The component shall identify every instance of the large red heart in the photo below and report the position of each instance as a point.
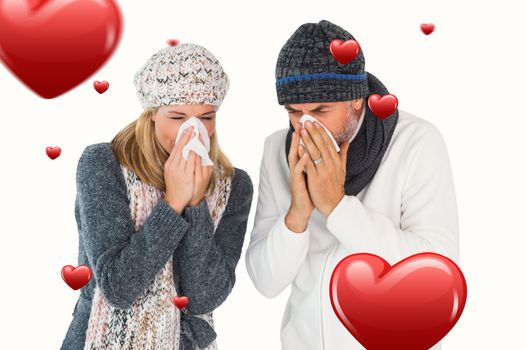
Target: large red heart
(52, 46)
(76, 277)
(180, 302)
(344, 52)
(409, 306)
(382, 106)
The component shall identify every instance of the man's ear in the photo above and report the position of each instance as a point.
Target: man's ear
(357, 104)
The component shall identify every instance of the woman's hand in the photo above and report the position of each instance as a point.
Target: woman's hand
(201, 181)
(178, 174)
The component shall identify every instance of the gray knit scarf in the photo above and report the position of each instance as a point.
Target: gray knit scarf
(369, 145)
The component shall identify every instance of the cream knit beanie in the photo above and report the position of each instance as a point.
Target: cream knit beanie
(181, 74)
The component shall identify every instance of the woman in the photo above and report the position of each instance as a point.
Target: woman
(155, 226)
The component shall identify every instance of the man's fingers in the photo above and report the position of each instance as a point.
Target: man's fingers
(316, 132)
(308, 164)
(300, 151)
(312, 149)
(292, 154)
(327, 141)
(300, 165)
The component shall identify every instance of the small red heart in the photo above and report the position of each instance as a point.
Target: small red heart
(76, 277)
(53, 152)
(382, 106)
(344, 52)
(172, 42)
(101, 86)
(54, 45)
(411, 305)
(180, 302)
(427, 28)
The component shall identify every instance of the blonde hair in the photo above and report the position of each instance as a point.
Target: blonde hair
(137, 148)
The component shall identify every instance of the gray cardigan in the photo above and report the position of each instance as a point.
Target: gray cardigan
(124, 263)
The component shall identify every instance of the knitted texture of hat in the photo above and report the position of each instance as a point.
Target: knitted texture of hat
(182, 74)
(306, 70)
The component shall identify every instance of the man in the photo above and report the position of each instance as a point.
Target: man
(388, 192)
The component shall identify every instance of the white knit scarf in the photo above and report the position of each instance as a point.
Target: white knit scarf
(153, 322)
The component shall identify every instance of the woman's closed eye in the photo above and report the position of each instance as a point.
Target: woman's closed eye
(207, 116)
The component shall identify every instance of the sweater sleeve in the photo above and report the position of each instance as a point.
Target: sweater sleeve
(123, 261)
(207, 260)
(429, 218)
(275, 253)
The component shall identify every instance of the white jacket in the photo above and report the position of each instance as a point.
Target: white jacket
(409, 207)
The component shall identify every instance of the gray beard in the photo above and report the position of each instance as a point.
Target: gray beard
(349, 129)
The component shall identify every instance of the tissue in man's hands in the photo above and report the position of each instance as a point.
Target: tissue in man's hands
(306, 117)
(201, 148)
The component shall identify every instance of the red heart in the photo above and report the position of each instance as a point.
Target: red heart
(344, 52)
(52, 46)
(427, 28)
(172, 42)
(409, 306)
(382, 106)
(180, 302)
(53, 152)
(76, 277)
(101, 86)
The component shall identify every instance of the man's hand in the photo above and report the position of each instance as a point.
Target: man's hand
(301, 206)
(326, 177)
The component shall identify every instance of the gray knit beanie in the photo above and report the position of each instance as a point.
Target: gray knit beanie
(306, 71)
(181, 74)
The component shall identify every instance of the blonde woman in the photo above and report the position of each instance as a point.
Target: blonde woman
(155, 224)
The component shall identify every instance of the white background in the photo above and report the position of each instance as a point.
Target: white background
(467, 78)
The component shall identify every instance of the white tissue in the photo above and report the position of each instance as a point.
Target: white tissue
(201, 148)
(306, 117)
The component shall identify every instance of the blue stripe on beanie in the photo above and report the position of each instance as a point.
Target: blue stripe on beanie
(321, 76)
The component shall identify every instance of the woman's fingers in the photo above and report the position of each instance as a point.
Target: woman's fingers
(181, 142)
(198, 171)
(190, 164)
(172, 158)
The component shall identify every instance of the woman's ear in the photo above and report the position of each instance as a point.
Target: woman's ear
(153, 114)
